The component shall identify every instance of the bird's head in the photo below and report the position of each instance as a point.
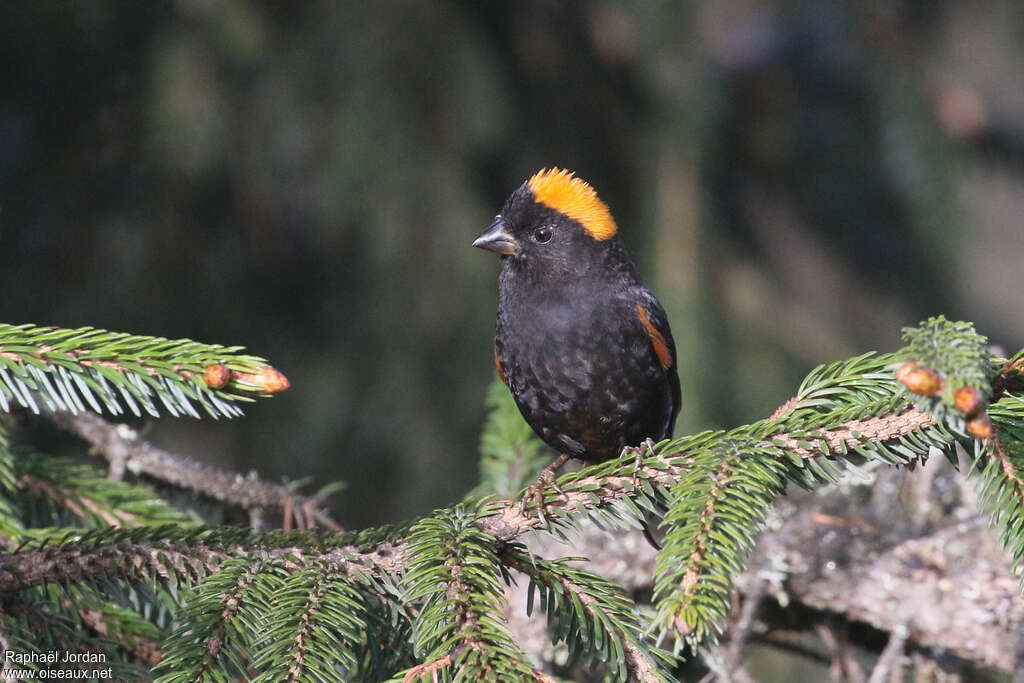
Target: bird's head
(553, 221)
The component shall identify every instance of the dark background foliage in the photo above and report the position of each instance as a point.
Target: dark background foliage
(797, 180)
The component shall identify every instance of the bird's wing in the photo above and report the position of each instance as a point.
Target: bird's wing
(497, 365)
(652, 318)
(655, 323)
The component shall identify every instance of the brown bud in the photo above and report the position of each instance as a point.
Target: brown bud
(980, 426)
(268, 378)
(216, 376)
(905, 369)
(920, 380)
(684, 627)
(968, 400)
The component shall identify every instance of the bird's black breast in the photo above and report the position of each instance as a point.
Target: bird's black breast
(582, 367)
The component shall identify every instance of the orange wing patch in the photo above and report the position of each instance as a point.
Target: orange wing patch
(562, 191)
(657, 340)
(501, 372)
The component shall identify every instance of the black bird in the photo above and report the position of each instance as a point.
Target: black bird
(581, 342)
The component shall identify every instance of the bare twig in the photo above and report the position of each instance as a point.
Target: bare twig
(431, 668)
(125, 450)
(927, 669)
(890, 665)
(740, 632)
(1018, 655)
(844, 665)
(255, 519)
(795, 648)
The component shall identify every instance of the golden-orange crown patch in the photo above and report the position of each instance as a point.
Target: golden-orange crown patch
(562, 191)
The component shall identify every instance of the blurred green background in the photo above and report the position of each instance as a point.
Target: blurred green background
(797, 180)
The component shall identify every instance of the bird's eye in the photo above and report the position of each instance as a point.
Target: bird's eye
(542, 235)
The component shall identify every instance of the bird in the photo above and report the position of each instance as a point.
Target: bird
(582, 343)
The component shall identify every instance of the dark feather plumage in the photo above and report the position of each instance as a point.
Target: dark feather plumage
(582, 343)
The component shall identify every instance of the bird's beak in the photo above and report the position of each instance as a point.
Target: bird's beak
(497, 239)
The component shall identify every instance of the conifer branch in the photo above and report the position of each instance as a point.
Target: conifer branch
(300, 642)
(880, 429)
(1000, 482)
(1008, 469)
(589, 603)
(600, 486)
(1010, 378)
(314, 621)
(35, 625)
(212, 631)
(716, 509)
(85, 493)
(596, 487)
(122, 446)
(88, 369)
(448, 567)
(11, 527)
(181, 553)
(700, 542)
(455, 572)
(82, 507)
(105, 620)
(77, 561)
